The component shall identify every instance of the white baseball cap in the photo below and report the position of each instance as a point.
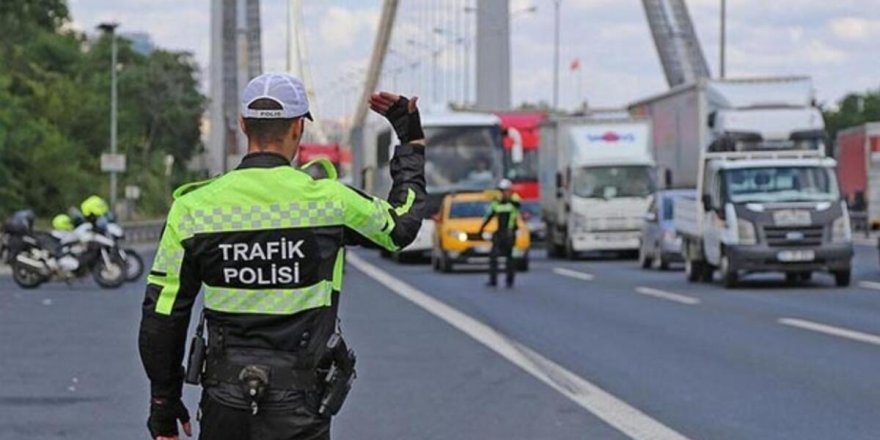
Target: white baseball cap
(287, 91)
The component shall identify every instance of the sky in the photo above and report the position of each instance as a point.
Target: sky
(836, 42)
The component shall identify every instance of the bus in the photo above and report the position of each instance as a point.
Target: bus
(464, 153)
(521, 132)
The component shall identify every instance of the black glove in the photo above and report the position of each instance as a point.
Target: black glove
(164, 415)
(407, 125)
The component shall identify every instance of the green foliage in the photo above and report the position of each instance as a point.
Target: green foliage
(55, 113)
(853, 109)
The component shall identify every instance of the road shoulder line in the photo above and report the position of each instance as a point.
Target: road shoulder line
(669, 296)
(578, 275)
(831, 330)
(613, 411)
(873, 285)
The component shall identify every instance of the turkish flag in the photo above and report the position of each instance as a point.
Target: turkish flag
(575, 64)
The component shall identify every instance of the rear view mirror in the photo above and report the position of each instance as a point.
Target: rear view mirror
(707, 202)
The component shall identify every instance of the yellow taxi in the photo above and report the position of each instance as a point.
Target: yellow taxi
(457, 238)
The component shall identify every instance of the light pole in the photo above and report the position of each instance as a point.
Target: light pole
(435, 54)
(110, 29)
(721, 68)
(556, 5)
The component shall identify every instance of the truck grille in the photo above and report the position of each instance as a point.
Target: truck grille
(794, 236)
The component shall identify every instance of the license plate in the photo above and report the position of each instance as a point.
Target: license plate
(482, 249)
(791, 217)
(795, 256)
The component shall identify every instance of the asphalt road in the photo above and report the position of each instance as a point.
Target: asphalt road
(588, 349)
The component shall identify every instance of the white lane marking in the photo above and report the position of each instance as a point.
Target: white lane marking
(669, 296)
(617, 413)
(573, 274)
(870, 285)
(831, 330)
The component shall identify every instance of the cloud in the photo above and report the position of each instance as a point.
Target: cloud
(822, 38)
(855, 28)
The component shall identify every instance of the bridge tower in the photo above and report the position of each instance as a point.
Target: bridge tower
(236, 57)
(677, 44)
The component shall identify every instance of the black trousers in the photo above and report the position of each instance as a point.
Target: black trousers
(222, 422)
(502, 246)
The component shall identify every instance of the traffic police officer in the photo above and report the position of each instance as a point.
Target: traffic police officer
(267, 242)
(506, 210)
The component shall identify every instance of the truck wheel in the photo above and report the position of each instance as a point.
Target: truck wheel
(693, 270)
(842, 278)
(729, 275)
(553, 250)
(645, 261)
(570, 253)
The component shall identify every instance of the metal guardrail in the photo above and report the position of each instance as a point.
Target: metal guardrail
(147, 231)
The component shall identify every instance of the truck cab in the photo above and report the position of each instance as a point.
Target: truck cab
(765, 209)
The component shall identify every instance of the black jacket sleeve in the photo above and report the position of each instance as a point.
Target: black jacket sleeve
(391, 223)
(172, 286)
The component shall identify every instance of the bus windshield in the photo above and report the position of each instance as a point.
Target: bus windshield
(461, 158)
(523, 171)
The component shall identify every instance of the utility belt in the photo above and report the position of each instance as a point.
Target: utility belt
(258, 371)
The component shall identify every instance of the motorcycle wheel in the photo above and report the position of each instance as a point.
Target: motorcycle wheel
(134, 265)
(25, 276)
(109, 276)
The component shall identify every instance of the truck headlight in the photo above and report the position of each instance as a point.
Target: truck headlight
(457, 235)
(745, 231)
(840, 230)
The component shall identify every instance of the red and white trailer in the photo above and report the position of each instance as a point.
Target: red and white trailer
(858, 169)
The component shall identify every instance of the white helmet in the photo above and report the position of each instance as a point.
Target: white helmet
(505, 184)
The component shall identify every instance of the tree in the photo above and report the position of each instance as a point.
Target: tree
(54, 112)
(854, 109)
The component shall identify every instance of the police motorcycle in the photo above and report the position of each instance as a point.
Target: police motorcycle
(134, 263)
(96, 211)
(62, 254)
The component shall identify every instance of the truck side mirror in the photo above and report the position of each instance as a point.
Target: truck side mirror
(710, 120)
(667, 178)
(707, 202)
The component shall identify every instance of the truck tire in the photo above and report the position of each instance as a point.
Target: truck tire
(645, 260)
(570, 253)
(553, 250)
(842, 278)
(729, 274)
(692, 269)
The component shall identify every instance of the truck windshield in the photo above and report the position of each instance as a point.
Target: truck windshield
(461, 158)
(781, 184)
(610, 182)
(468, 209)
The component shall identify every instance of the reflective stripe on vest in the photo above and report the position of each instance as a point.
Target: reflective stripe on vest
(269, 301)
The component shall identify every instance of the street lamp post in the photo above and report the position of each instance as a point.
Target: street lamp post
(435, 54)
(556, 5)
(723, 39)
(110, 30)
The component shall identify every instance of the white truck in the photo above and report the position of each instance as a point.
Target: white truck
(767, 196)
(597, 179)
